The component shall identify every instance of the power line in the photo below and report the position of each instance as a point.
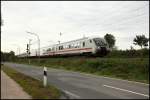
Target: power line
(125, 21)
(118, 13)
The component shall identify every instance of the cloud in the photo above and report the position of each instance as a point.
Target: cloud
(123, 19)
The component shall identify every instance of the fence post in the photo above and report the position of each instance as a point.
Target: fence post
(45, 77)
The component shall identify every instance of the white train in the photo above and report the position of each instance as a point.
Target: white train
(85, 46)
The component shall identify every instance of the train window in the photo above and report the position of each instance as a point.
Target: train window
(99, 42)
(69, 46)
(60, 47)
(83, 44)
(90, 41)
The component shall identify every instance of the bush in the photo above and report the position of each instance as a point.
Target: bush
(126, 68)
(129, 53)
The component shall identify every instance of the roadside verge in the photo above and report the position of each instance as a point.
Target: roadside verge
(32, 86)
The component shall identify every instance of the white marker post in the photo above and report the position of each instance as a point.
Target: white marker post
(45, 77)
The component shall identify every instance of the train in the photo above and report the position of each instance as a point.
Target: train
(94, 46)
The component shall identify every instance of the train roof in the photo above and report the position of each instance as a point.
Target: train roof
(74, 40)
(69, 41)
(84, 38)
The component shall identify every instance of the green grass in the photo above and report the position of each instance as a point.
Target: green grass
(32, 86)
(135, 69)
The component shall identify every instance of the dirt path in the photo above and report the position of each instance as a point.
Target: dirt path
(10, 89)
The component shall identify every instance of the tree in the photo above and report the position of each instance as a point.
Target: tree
(8, 56)
(131, 48)
(110, 40)
(12, 53)
(132, 51)
(141, 40)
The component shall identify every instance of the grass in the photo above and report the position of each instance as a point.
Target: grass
(32, 86)
(135, 69)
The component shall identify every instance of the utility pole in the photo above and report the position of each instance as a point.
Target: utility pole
(60, 36)
(38, 42)
(29, 49)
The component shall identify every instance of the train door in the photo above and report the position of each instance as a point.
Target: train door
(83, 44)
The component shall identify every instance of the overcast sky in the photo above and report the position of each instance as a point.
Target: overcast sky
(74, 19)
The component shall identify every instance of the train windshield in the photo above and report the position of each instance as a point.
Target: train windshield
(99, 42)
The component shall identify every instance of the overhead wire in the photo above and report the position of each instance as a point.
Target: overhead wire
(127, 19)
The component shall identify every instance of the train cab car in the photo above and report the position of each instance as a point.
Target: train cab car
(85, 46)
(102, 47)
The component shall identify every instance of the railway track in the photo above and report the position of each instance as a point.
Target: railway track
(65, 56)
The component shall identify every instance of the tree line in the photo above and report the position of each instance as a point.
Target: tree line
(139, 40)
(8, 56)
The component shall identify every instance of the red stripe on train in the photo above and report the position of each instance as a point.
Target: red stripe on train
(71, 50)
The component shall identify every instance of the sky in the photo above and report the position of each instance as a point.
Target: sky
(74, 19)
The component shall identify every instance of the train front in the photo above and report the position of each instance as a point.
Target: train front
(102, 47)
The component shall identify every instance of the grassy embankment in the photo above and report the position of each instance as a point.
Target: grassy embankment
(32, 86)
(134, 69)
